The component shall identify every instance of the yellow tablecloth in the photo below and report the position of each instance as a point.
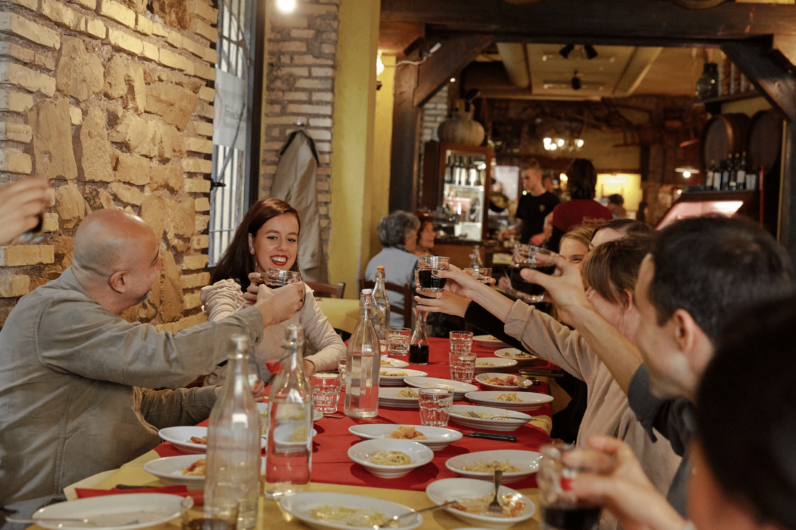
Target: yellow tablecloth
(341, 313)
(271, 515)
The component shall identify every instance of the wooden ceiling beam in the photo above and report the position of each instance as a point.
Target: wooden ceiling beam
(447, 62)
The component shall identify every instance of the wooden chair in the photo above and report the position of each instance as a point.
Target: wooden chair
(323, 290)
(405, 289)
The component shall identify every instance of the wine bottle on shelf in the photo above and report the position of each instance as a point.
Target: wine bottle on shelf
(725, 174)
(709, 175)
(448, 170)
(473, 174)
(740, 176)
(733, 172)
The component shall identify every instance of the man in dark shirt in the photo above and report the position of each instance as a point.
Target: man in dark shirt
(535, 204)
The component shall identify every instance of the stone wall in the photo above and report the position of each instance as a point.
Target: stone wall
(434, 113)
(302, 65)
(112, 102)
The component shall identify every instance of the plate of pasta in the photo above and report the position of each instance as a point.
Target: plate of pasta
(341, 511)
(458, 388)
(488, 418)
(393, 363)
(395, 376)
(521, 357)
(387, 458)
(493, 364)
(516, 465)
(488, 341)
(188, 470)
(508, 399)
(189, 440)
(435, 438)
(402, 398)
(474, 496)
(496, 381)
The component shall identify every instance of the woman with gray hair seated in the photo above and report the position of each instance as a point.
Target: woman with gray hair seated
(398, 236)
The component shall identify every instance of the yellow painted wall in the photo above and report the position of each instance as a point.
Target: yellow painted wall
(380, 200)
(628, 186)
(352, 147)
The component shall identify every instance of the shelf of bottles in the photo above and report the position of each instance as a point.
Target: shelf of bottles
(463, 190)
(731, 174)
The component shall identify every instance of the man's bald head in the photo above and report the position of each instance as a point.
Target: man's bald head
(108, 240)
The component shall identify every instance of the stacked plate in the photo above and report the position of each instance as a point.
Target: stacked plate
(395, 376)
(458, 388)
(437, 438)
(524, 464)
(460, 416)
(493, 364)
(181, 438)
(496, 381)
(388, 398)
(312, 508)
(522, 401)
(169, 470)
(522, 358)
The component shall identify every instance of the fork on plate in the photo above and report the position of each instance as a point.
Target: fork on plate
(494, 507)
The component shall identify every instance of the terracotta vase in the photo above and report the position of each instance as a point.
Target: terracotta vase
(461, 129)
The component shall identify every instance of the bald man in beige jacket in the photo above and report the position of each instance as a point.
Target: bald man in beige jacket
(74, 375)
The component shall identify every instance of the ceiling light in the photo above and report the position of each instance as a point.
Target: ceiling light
(686, 174)
(286, 6)
(566, 50)
(560, 142)
(563, 177)
(453, 79)
(579, 142)
(548, 141)
(576, 83)
(591, 53)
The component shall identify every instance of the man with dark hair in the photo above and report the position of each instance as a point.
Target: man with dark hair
(616, 229)
(700, 272)
(616, 204)
(534, 205)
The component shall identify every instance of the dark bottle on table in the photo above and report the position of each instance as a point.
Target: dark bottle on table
(418, 346)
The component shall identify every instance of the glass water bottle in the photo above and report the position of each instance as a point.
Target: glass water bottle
(233, 441)
(288, 457)
(363, 364)
(381, 305)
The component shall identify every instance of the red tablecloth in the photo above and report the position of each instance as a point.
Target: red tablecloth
(330, 462)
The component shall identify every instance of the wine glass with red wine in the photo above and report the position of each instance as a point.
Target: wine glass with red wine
(425, 276)
(561, 510)
(530, 257)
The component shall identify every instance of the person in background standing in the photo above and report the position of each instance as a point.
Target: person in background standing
(547, 184)
(581, 209)
(616, 203)
(425, 237)
(534, 205)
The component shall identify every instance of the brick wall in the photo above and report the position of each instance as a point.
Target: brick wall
(302, 50)
(434, 113)
(110, 101)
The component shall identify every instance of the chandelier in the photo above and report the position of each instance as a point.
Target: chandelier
(562, 144)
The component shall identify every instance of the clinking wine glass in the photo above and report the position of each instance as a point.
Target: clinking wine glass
(275, 278)
(426, 275)
(530, 257)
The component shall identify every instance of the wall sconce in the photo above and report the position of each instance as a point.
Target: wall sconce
(286, 6)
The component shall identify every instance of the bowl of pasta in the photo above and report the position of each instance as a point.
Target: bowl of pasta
(488, 418)
(435, 438)
(395, 376)
(474, 496)
(520, 357)
(507, 399)
(387, 458)
(493, 364)
(189, 440)
(495, 381)
(516, 465)
(401, 398)
(188, 470)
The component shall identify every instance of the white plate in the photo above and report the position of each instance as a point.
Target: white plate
(114, 511)
(480, 424)
(512, 353)
(438, 437)
(263, 407)
(363, 451)
(395, 363)
(441, 491)
(169, 471)
(387, 399)
(285, 430)
(300, 505)
(530, 400)
(488, 341)
(459, 388)
(398, 378)
(497, 364)
(179, 436)
(482, 378)
(527, 461)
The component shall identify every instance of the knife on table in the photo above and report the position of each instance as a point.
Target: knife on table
(490, 436)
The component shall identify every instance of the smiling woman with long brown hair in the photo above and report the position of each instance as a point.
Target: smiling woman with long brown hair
(267, 238)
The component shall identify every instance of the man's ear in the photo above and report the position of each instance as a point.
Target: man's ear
(119, 282)
(685, 330)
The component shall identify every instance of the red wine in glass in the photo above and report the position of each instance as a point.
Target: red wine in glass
(418, 354)
(522, 285)
(428, 281)
(566, 516)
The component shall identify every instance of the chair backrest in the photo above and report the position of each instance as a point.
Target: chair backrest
(323, 290)
(404, 289)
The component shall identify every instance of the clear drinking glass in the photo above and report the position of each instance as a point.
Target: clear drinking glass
(427, 283)
(530, 257)
(560, 509)
(435, 406)
(275, 278)
(462, 366)
(461, 341)
(341, 370)
(398, 341)
(325, 391)
(482, 274)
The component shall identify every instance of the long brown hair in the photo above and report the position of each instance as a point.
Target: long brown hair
(581, 179)
(612, 268)
(237, 262)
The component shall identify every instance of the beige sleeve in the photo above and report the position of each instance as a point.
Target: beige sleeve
(317, 331)
(222, 299)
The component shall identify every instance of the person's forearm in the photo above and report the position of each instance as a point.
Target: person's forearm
(493, 301)
(619, 355)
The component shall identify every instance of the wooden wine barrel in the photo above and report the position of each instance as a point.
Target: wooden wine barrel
(764, 141)
(723, 136)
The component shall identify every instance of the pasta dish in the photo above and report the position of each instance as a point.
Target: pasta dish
(484, 363)
(490, 467)
(393, 374)
(512, 505)
(407, 433)
(299, 435)
(385, 362)
(197, 469)
(521, 355)
(407, 393)
(511, 396)
(501, 381)
(444, 387)
(198, 440)
(348, 516)
(391, 458)
(485, 416)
